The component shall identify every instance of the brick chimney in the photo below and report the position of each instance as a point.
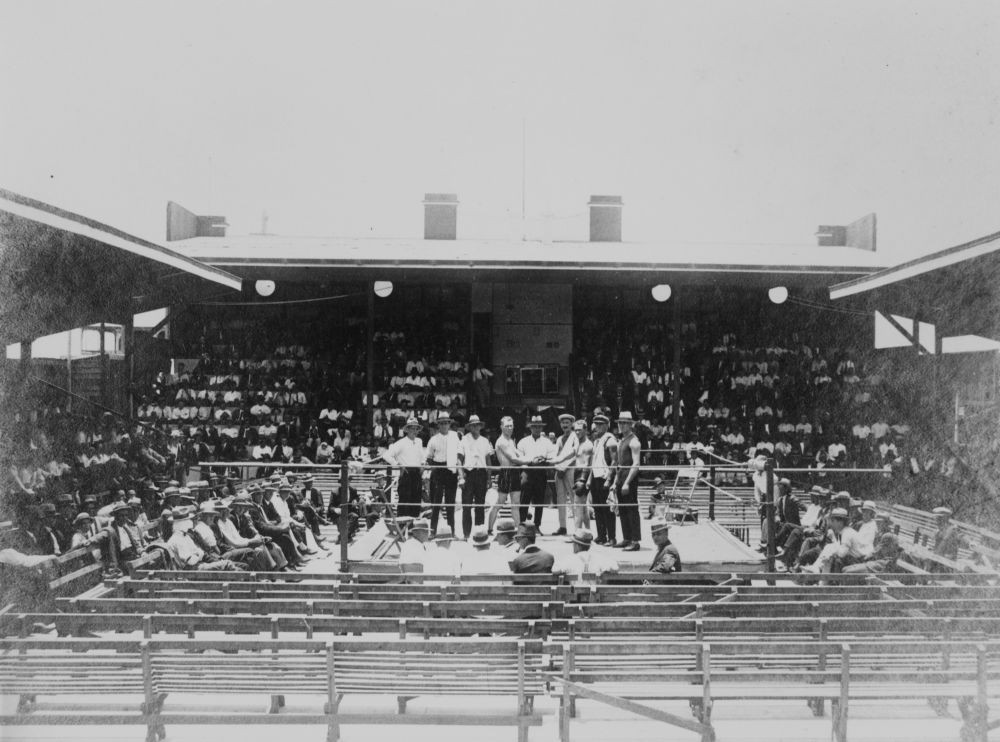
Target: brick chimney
(440, 216)
(605, 218)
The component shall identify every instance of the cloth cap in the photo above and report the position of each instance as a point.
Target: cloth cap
(660, 526)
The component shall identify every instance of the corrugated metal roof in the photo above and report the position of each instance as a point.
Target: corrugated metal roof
(273, 250)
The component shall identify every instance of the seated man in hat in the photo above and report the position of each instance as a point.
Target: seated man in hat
(948, 539)
(127, 542)
(531, 559)
(584, 559)
(223, 539)
(667, 558)
(240, 508)
(867, 527)
(314, 497)
(844, 547)
(483, 559)
(413, 550)
(271, 527)
(186, 551)
(441, 558)
(504, 542)
(658, 500)
(885, 551)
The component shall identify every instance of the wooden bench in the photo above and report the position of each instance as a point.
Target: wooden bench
(271, 605)
(620, 673)
(148, 671)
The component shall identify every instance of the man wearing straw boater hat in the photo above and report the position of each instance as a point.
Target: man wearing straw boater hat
(564, 464)
(605, 453)
(441, 559)
(408, 455)
(474, 476)
(484, 560)
(626, 482)
(444, 454)
(538, 450)
(584, 560)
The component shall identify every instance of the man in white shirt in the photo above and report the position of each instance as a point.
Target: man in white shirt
(444, 454)
(845, 548)
(408, 455)
(537, 450)
(564, 463)
(584, 560)
(868, 528)
(509, 479)
(441, 558)
(483, 559)
(413, 550)
(475, 477)
(605, 454)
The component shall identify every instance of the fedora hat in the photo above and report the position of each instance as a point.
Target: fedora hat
(506, 525)
(536, 421)
(479, 536)
(412, 423)
(444, 417)
(869, 505)
(839, 513)
(625, 417)
(473, 420)
(421, 524)
(583, 537)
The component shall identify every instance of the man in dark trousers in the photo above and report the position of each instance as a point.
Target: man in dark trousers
(948, 539)
(604, 456)
(273, 529)
(241, 506)
(667, 558)
(786, 510)
(531, 559)
(626, 482)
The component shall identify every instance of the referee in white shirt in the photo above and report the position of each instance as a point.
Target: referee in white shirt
(475, 478)
(538, 451)
(445, 454)
(408, 454)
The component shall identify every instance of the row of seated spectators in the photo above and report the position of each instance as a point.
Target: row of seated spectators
(802, 401)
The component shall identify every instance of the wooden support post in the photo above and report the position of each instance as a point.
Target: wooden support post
(522, 701)
(711, 493)
(343, 525)
(332, 701)
(708, 734)
(567, 696)
(769, 516)
(981, 714)
(150, 708)
(840, 718)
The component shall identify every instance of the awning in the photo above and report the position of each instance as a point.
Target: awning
(60, 270)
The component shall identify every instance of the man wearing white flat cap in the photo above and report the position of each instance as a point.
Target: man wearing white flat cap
(563, 462)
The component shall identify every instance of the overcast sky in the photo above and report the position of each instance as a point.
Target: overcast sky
(716, 121)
